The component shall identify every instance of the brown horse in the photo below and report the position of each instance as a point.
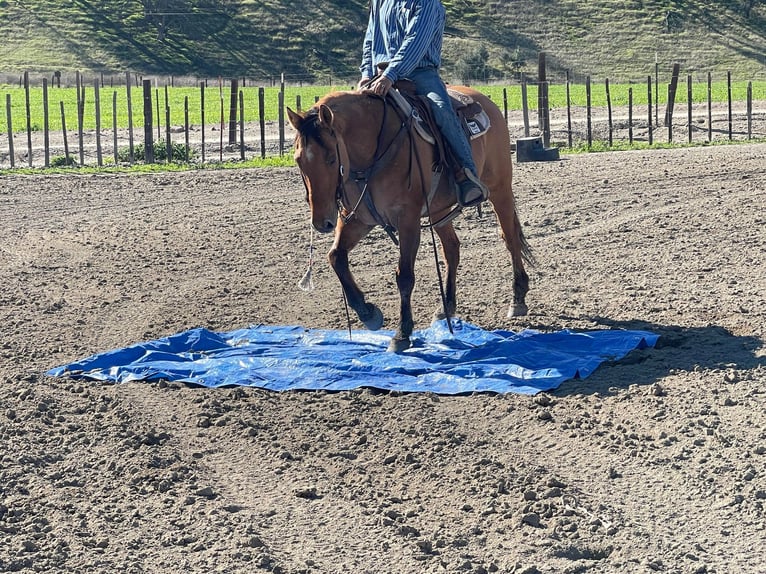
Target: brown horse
(362, 167)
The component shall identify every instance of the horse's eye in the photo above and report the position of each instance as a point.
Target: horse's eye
(331, 159)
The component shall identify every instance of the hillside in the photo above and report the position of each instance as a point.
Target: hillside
(319, 40)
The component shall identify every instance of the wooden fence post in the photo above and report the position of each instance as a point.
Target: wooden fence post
(649, 100)
(569, 114)
(186, 128)
(168, 142)
(672, 93)
(63, 131)
(233, 112)
(709, 107)
(728, 95)
(99, 157)
(29, 118)
(131, 149)
(689, 104)
(630, 116)
(148, 130)
(115, 150)
(46, 125)
(669, 115)
(588, 112)
(10, 129)
(750, 110)
(242, 125)
(262, 120)
(609, 111)
(525, 105)
(80, 116)
(202, 115)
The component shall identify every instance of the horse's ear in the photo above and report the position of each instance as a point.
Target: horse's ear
(325, 116)
(295, 119)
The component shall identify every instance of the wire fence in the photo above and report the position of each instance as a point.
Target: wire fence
(100, 121)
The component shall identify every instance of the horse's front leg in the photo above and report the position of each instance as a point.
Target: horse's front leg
(451, 252)
(347, 236)
(409, 241)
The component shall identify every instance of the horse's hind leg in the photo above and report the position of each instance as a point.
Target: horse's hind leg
(451, 252)
(346, 238)
(513, 236)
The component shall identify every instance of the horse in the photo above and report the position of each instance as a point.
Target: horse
(363, 165)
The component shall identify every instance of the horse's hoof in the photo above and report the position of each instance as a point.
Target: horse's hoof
(517, 310)
(399, 345)
(440, 315)
(375, 320)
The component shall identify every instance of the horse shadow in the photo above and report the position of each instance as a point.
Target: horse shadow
(684, 349)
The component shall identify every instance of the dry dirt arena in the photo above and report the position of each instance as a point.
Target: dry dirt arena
(656, 463)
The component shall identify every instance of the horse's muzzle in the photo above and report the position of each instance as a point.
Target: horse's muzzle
(325, 226)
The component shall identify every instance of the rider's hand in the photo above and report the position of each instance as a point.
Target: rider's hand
(362, 83)
(379, 86)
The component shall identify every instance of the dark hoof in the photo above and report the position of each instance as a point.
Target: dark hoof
(399, 345)
(374, 320)
(517, 310)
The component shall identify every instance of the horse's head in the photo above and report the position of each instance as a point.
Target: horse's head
(317, 150)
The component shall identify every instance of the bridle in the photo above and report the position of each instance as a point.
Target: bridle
(361, 177)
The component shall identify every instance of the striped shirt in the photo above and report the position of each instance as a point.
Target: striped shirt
(405, 33)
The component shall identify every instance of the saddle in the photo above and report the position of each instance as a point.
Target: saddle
(471, 115)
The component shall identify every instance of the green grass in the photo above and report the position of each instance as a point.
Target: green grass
(139, 168)
(218, 100)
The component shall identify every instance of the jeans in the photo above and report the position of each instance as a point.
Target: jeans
(429, 83)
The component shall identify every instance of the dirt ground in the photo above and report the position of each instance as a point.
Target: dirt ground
(656, 463)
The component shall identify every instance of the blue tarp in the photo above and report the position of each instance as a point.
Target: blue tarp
(283, 358)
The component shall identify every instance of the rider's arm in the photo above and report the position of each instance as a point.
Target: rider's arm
(422, 40)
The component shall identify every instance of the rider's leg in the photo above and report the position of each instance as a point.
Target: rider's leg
(428, 83)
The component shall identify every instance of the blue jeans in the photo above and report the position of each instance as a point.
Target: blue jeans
(429, 83)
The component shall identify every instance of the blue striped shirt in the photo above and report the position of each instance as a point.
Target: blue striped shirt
(405, 33)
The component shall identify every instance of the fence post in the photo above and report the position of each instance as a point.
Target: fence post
(750, 110)
(10, 129)
(242, 125)
(525, 105)
(262, 120)
(99, 157)
(29, 118)
(588, 112)
(148, 131)
(131, 156)
(609, 111)
(728, 95)
(689, 104)
(168, 142)
(709, 107)
(80, 116)
(630, 116)
(233, 112)
(669, 115)
(202, 115)
(63, 131)
(672, 93)
(649, 100)
(46, 124)
(281, 115)
(186, 128)
(569, 113)
(115, 149)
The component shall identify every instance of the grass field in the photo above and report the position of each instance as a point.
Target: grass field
(217, 101)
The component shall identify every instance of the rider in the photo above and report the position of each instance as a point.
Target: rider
(405, 36)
